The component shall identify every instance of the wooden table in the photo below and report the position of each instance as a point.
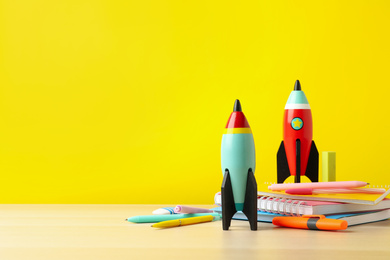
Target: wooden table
(101, 232)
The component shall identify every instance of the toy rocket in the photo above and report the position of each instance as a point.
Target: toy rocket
(239, 187)
(297, 153)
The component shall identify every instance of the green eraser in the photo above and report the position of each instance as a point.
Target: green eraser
(328, 166)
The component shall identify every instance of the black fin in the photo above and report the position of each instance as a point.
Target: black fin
(228, 206)
(283, 172)
(250, 203)
(312, 164)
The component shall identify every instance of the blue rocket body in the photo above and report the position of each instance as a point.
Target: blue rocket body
(238, 157)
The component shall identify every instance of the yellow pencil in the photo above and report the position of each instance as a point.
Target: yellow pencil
(185, 221)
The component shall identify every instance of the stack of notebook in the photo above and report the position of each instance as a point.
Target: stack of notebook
(354, 208)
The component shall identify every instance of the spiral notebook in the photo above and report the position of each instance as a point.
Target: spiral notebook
(355, 198)
(365, 199)
(283, 206)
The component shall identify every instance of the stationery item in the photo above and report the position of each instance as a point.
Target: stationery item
(332, 191)
(363, 217)
(318, 185)
(314, 222)
(239, 187)
(297, 155)
(159, 218)
(309, 207)
(185, 221)
(356, 218)
(328, 166)
(262, 216)
(186, 209)
(356, 198)
(164, 211)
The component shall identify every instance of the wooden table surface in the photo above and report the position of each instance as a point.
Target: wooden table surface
(101, 232)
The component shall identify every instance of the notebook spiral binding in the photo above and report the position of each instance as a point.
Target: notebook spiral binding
(280, 205)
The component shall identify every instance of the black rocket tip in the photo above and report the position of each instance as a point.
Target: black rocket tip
(237, 106)
(297, 85)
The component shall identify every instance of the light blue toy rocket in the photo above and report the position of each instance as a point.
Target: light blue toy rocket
(238, 161)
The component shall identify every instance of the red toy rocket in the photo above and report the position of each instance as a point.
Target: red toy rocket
(298, 154)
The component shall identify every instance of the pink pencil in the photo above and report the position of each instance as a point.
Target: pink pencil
(185, 209)
(333, 191)
(319, 185)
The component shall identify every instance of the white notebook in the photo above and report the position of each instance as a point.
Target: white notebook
(309, 207)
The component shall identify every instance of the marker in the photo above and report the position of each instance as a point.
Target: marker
(185, 209)
(297, 154)
(319, 185)
(186, 221)
(333, 191)
(315, 222)
(159, 218)
(164, 211)
(238, 161)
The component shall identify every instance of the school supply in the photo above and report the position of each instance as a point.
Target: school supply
(314, 222)
(186, 209)
(351, 218)
(159, 218)
(318, 185)
(332, 191)
(186, 221)
(356, 198)
(262, 216)
(363, 217)
(309, 207)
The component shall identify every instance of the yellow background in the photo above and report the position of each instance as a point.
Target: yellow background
(126, 101)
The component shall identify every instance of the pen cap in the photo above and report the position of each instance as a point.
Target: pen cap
(331, 224)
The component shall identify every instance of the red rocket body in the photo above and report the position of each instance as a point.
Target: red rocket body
(290, 137)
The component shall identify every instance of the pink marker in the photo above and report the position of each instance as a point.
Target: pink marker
(185, 209)
(333, 191)
(319, 185)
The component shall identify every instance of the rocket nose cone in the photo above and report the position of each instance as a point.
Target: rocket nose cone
(237, 106)
(297, 85)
